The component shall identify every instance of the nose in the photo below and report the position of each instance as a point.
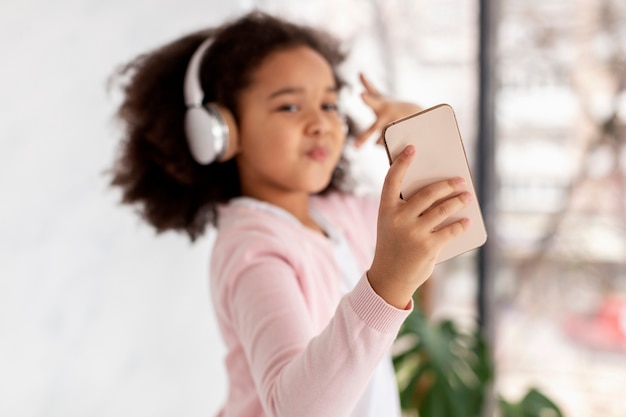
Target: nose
(317, 123)
(322, 122)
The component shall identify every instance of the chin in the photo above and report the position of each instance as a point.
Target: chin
(320, 182)
(322, 187)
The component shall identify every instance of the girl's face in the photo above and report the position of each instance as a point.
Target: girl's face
(291, 134)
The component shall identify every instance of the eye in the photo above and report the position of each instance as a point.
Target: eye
(289, 108)
(330, 107)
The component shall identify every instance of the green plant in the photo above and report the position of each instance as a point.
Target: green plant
(441, 370)
(532, 404)
(444, 371)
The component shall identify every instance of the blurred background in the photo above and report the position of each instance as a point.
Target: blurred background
(100, 317)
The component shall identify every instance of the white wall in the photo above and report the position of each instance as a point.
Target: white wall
(98, 317)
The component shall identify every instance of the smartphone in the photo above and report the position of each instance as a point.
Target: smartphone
(439, 154)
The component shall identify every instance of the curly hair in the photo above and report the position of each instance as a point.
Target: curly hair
(154, 167)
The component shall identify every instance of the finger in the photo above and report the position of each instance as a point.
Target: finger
(451, 231)
(368, 85)
(442, 211)
(428, 196)
(390, 193)
(375, 102)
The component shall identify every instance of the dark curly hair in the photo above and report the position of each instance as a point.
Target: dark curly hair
(154, 167)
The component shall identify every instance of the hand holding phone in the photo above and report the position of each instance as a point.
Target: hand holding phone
(439, 155)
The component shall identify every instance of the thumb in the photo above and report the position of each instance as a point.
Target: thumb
(393, 180)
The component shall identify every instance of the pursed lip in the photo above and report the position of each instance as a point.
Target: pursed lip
(318, 153)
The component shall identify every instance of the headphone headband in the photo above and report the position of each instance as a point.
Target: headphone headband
(194, 95)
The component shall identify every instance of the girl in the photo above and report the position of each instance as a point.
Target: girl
(238, 127)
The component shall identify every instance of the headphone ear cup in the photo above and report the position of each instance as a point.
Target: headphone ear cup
(232, 140)
(211, 133)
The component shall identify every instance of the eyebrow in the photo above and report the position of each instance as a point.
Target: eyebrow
(295, 90)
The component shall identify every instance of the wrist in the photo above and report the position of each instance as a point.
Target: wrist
(394, 294)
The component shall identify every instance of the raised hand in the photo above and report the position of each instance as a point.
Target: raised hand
(386, 110)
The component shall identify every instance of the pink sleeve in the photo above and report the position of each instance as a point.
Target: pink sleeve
(296, 371)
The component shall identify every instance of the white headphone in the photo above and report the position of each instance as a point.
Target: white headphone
(210, 128)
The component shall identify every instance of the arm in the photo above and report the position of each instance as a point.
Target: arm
(298, 372)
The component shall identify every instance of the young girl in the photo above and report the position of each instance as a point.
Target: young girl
(238, 127)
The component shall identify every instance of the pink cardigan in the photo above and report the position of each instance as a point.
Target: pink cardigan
(296, 348)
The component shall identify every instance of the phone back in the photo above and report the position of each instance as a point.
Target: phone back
(439, 155)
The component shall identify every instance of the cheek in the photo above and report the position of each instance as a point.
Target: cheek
(340, 144)
(264, 149)
(252, 138)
